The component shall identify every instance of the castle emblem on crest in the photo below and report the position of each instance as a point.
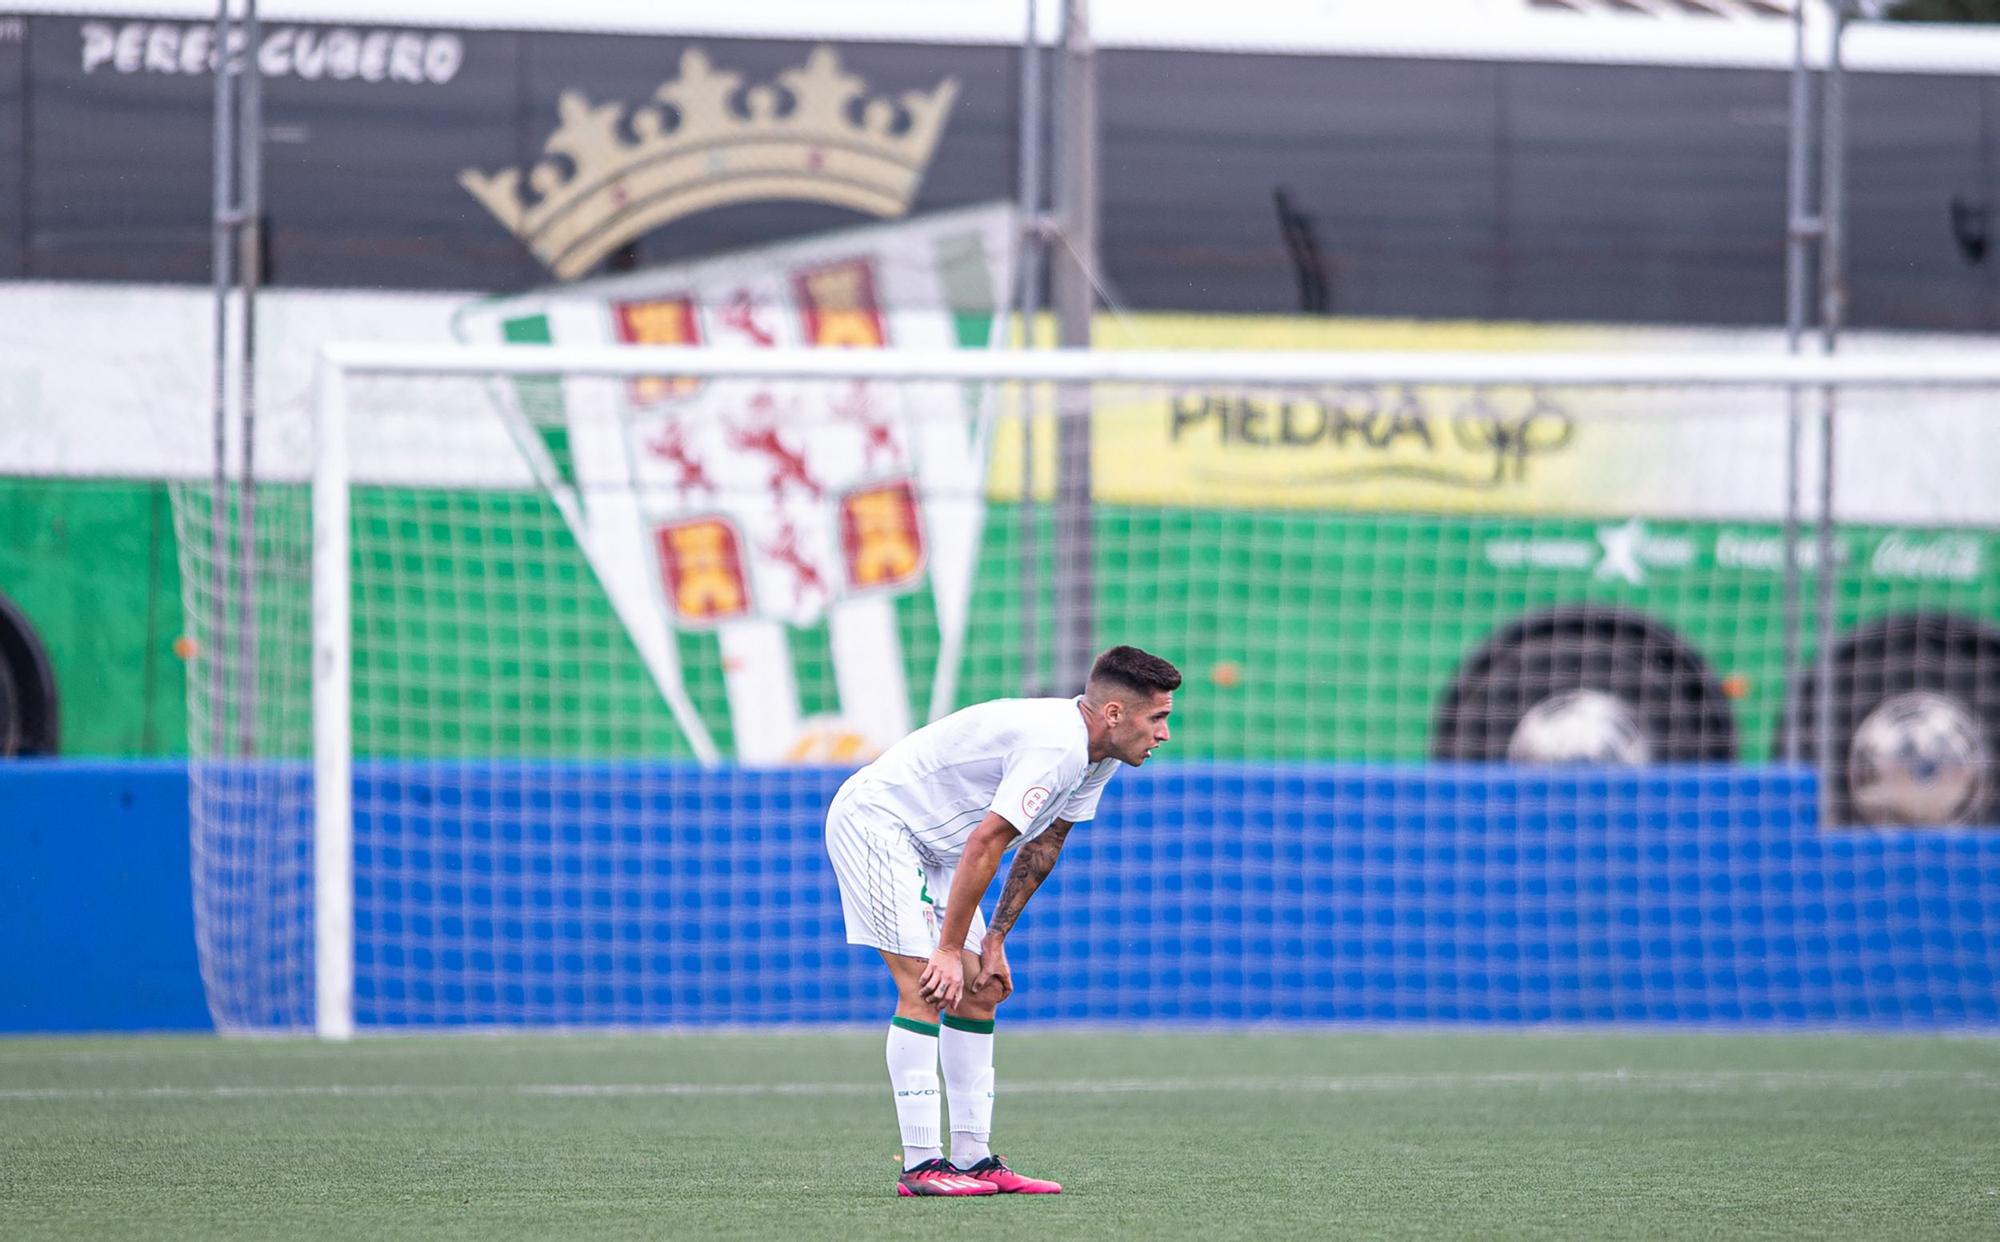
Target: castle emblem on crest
(704, 140)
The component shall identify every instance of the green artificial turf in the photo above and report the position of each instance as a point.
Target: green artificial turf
(1154, 1135)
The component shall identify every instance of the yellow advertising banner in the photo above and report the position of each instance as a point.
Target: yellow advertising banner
(1423, 449)
(1397, 447)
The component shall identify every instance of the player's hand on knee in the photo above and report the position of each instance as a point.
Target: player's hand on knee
(943, 980)
(994, 973)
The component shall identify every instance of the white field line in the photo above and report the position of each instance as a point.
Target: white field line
(1645, 1080)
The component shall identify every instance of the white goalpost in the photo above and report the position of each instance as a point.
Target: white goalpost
(1484, 651)
(332, 738)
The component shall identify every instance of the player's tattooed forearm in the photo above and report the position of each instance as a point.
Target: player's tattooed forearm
(1032, 864)
(1022, 880)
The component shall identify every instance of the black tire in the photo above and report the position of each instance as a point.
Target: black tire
(27, 688)
(1669, 688)
(1956, 657)
(10, 715)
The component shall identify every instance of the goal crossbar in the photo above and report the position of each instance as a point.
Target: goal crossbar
(1973, 367)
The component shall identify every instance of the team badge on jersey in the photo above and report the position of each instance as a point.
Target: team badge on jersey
(1034, 800)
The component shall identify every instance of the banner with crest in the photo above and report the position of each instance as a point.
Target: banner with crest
(753, 511)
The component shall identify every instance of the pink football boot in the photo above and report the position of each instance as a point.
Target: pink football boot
(937, 1177)
(994, 1172)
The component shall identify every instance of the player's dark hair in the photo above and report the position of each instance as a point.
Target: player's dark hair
(1134, 671)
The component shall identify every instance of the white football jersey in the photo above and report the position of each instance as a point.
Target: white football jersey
(1027, 760)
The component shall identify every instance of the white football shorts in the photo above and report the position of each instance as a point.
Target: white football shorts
(890, 898)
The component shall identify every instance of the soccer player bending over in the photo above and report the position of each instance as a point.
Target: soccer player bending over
(929, 820)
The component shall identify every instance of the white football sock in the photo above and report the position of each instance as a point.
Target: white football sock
(913, 1058)
(966, 1046)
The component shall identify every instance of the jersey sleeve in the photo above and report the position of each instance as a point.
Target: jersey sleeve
(1031, 779)
(1082, 805)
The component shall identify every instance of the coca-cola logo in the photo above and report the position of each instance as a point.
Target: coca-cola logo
(1929, 558)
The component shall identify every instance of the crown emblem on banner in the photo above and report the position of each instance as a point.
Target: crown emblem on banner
(705, 141)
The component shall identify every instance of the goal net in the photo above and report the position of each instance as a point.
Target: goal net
(1518, 688)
